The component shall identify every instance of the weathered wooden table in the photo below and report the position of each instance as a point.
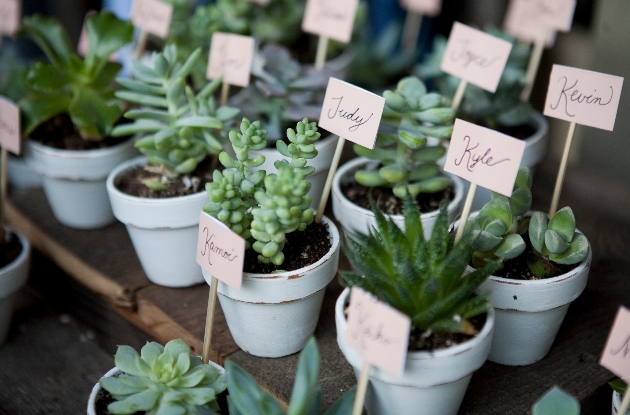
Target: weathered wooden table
(103, 281)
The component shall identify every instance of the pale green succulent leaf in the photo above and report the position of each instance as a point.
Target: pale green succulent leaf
(499, 208)
(521, 201)
(511, 246)
(576, 253)
(556, 402)
(563, 222)
(537, 228)
(554, 242)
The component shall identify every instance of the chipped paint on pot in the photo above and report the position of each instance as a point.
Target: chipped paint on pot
(616, 403)
(274, 315)
(163, 231)
(355, 219)
(74, 181)
(433, 382)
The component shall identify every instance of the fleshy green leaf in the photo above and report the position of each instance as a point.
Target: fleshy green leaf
(563, 222)
(537, 229)
(556, 402)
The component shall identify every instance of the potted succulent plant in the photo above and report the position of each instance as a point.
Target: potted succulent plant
(406, 158)
(161, 379)
(502, 110)
(545, 266)
(425, 279)
(68, 115)
(247, 397)
(159, 196)
(276, 310)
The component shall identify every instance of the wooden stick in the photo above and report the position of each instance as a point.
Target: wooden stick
(212, 301)
(466, 212)
(3, 189)
(459, 94)
(142, 44)
(320, 57)
(329, 179)
(359, 398)
(534, 64)
(625, 403)
(225, 92)
(563, 169)
(411, 30)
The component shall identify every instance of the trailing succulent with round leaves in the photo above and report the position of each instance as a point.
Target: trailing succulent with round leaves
(262, 207)
(407, 162)
(177, 128)
(70, 84)
(163, 380)
(246, 397)
(426, 280)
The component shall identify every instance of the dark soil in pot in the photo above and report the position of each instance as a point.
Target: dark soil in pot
(300, 250)
(421, 341)
(59, 132)
(10, 250)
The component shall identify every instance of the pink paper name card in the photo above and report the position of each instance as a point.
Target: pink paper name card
(583, 97)
(556, 14)
(152, 16)
(484, 157)
(523, 28)
(10, 11)
(330, 18)
(378, 332)
(426, 7)
(616, 354)
(9, 126)
(231, 57)
(351, 112)
(475, 56)
(220, 251)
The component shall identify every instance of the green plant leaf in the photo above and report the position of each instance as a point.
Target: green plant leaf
(537, 228)
(226, 113)
(151, 351)
(435, 115)
(524, 177)
(521, 201)
(344, 404)
(429, 154)
(106, 34)
(142, 401)
(393, 173)
(125, 360)
(499, 208)
(50, 36)
(563, 222)
(618, 385)
(556, 402)
(245, 394)
(200, 122)
(510, 247)
(40, 108)
(576, 253)
(554, 242)
(46, 78)
(305, 383)
(92, 115)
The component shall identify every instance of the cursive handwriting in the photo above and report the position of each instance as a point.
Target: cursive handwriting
(474, 158)
(469, 57)
(149, 13)
(227, 61)
(574, 95)
(367, 333)
(211, 247)
(327, 12)
(352, 116)
(625, 347)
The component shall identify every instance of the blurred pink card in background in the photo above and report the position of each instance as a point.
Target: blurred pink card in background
(584, 97)
(9, 126)
(10, 14)
(152, 16)
(425, 7)
(231, 57)
(475, 56)
(378, 332)
(526, 30)
(220, 251)
(484, 157)
(330, 18)
(616, 354)
(556, 14)
(351, 112)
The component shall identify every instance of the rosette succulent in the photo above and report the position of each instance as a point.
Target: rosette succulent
(163, 380)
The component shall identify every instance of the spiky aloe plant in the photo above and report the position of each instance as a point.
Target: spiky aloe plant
(423, 279)
(163, 380)
(177, 128)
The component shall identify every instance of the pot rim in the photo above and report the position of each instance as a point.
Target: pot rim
(16, 263)
(82, 154)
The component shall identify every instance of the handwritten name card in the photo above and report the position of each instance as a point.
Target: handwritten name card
(484, 157)
(231, 57)
(330, 18)
(584, 97)
(351, 112)
(616, 354)
(9, 126)
(475, 56)
(556, 15)
(10, 11)
(152, 16)
(523, 28)
(260, 2)
(426, 7)
(378, 332)
(220, 251)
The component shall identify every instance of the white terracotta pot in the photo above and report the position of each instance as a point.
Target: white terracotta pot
(355, 219)
(20, 175)
(12, 278)
(274, 315)
(74, 181)
(616, 403)
(163, 231)
(326, 150)
(91, 406)
(433, 383)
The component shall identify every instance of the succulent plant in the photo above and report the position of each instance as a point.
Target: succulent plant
(248, 398)
(493, 110)
(69, 84)
(423, 279)
(407, 162)
(163, 379)
(177, 128)
(556, 402)
(554, 241)
(262, 207)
